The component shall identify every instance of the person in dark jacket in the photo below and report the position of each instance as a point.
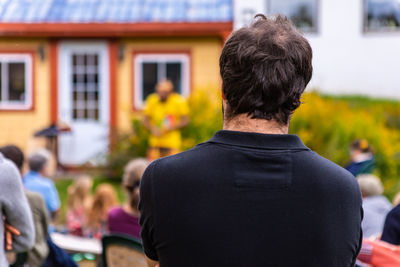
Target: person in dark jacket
(362, 158)
(253, 195)
(391, 228)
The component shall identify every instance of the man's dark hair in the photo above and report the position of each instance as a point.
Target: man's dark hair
(14, 154)
(265, 68)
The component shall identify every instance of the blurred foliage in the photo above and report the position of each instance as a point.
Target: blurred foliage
(126, 147)
(205, 118)
(326, 124)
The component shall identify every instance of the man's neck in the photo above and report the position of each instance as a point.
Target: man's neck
(243, 123)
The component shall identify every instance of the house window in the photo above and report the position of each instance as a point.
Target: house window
(85, 84)
(381, 15)
(153, 68)
(303, 13)
(15, 81)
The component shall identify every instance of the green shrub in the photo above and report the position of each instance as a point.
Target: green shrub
(205, 117)
(326, 124)
(127, 146)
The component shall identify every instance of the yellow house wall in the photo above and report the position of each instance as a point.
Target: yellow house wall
(204, 67)
(18, 127)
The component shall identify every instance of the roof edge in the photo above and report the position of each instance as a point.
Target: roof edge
(115, 29)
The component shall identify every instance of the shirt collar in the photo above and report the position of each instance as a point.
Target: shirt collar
(258, 140)
(363, 157)
(32, 174)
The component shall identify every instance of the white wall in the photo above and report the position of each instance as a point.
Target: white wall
(346, 60)
(244, 11)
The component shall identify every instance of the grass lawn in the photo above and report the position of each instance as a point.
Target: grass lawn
(62, 186)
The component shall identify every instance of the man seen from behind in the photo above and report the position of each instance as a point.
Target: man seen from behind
(253, 195)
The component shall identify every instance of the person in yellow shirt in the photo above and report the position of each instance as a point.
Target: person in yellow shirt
(165, 113)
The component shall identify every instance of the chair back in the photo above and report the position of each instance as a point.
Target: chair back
(122, 251)
(17, 259)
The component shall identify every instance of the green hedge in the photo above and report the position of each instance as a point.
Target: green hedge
(326, 124)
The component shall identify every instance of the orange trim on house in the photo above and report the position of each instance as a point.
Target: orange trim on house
(113, 53)
(115, 29)
(225, 35)
(53, 81)
(32, 53)
(155, 51)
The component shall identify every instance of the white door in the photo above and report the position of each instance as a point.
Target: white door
(83, 102)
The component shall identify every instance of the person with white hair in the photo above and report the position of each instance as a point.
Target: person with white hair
(375, 205)
(35, 180)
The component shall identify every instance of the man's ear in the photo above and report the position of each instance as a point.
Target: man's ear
(223, 95)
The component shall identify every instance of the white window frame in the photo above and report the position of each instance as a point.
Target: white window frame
(81, 103)
(316, 17)
(16, 105)
(367, 29)
(138, 61)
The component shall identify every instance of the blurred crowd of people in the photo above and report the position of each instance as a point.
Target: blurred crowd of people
(381, 221)
(34, 203)
(94, 215)
(31, 204)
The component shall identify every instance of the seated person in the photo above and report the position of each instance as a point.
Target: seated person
(14, 212)
(104, 199)
(40, 250)
(362, 158)
(391, 228)
(35, 181)
(79, 203)
(125, 219)
(375, 205)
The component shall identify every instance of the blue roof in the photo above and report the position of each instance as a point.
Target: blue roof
(119, 11)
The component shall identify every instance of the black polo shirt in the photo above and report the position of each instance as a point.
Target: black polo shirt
(248, 199)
